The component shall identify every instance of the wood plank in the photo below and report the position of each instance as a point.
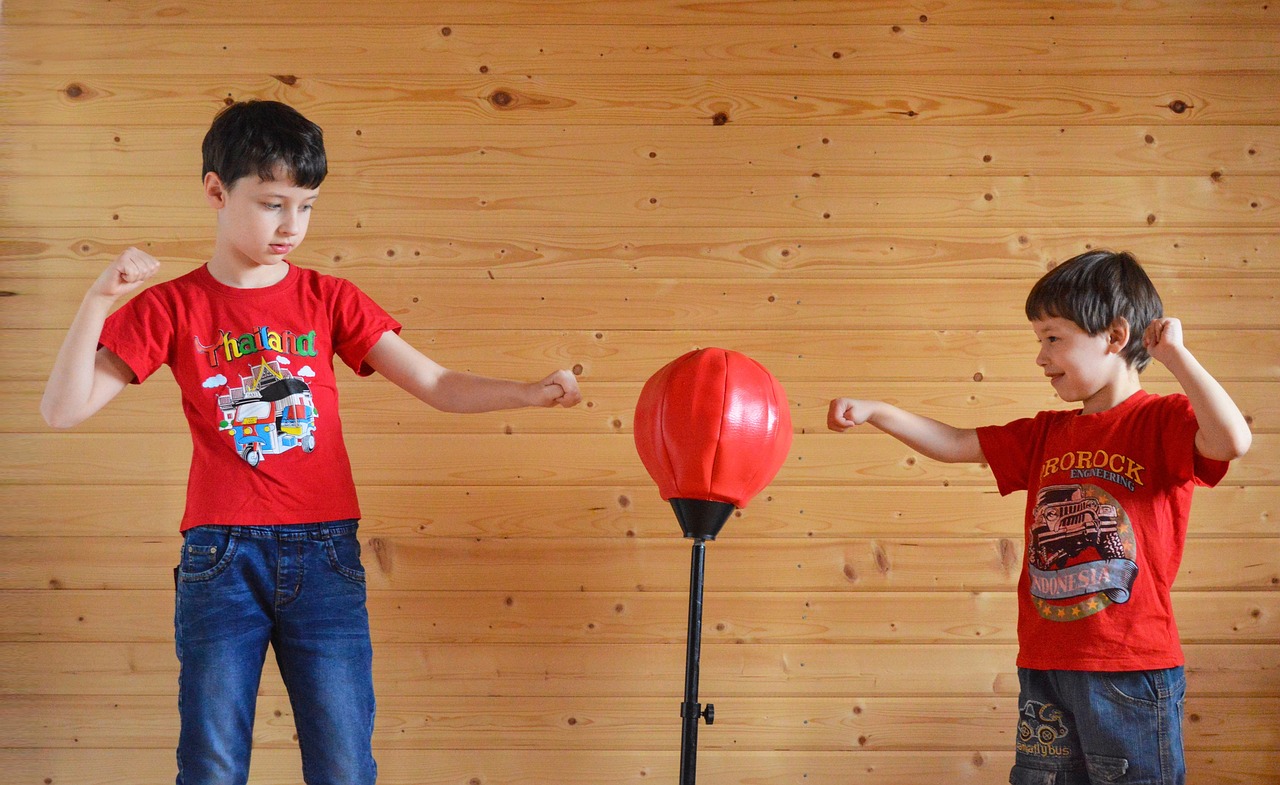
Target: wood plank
(524, 460)
(661, 12)
(221, 47)
(400, 204)
(662, 252)
(903, 564)
(585, 670)
(352, 99)
(530, 618)
(482, 723)
(857, 360)
(376, 150)
(612, 767)
(649, 304)
(608, 407)
(585, 513)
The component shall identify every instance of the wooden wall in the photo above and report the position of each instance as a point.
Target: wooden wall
(857, 194)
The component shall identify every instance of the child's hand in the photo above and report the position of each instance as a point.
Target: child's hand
(1163, 339)
(129, 271)
(846, 413)
(559, 389)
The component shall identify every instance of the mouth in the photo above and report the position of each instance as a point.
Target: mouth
(280, 248)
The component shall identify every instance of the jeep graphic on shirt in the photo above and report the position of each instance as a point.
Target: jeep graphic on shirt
(1080, 545)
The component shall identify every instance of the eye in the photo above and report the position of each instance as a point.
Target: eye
(272, 205)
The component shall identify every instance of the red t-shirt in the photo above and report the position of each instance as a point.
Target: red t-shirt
(1108, 497)
(255, 367)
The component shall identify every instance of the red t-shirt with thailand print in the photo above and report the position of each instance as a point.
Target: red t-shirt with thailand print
(255, 367)
(1108, 498)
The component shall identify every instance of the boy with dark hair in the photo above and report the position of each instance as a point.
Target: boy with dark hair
(1108, 496)
(269, 553)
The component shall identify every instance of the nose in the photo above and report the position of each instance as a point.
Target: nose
(289, 224)
(1041, 360)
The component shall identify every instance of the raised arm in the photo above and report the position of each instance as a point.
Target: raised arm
(84, 378)
(455, 391)
(931, 438)
(1224, 435)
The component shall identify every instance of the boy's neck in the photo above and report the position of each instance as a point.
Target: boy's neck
(244, 274)
(1114, 393)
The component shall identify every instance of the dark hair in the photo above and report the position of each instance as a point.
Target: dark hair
(1093, 290)
(263, 137)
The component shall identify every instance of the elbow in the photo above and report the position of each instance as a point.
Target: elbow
(1234, 446)
(1241, 444)
(59, 418)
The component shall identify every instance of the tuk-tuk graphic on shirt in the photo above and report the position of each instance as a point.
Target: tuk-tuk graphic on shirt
(271, 412)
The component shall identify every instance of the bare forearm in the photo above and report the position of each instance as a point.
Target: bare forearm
(931, 438)
(456, 391)
(69, 394)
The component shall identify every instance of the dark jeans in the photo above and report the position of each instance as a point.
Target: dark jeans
(1086, 728)
(301, 589)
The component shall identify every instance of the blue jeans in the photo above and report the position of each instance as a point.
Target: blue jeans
(301, 589)
(1086, 728)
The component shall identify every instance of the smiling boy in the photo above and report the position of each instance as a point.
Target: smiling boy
(1108, 498)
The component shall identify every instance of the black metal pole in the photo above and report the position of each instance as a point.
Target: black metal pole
(691, 710)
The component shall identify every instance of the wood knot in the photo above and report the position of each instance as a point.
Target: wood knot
(881, 558)
(446, 31)
(719, 118)
(1151, 218)
(501, 98)
(74, 90)
(382, 552)
(1178, 106)
(1216, 176)
(285, 79)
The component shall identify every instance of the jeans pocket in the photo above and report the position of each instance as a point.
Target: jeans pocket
(1025, 775)
(1142, 687)
(344, 556)
(206, 552)
(1103, 768)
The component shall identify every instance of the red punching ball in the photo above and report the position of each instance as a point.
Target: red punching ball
(712, 426)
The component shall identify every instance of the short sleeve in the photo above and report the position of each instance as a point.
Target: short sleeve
(358, 324)
(1007, 449)
(1182, 425)
(141, 333)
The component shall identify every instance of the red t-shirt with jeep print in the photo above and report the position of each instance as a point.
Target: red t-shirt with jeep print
(255, 368)
(1108, 498)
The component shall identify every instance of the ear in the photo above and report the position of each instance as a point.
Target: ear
(215, 193)
(1117, 335)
